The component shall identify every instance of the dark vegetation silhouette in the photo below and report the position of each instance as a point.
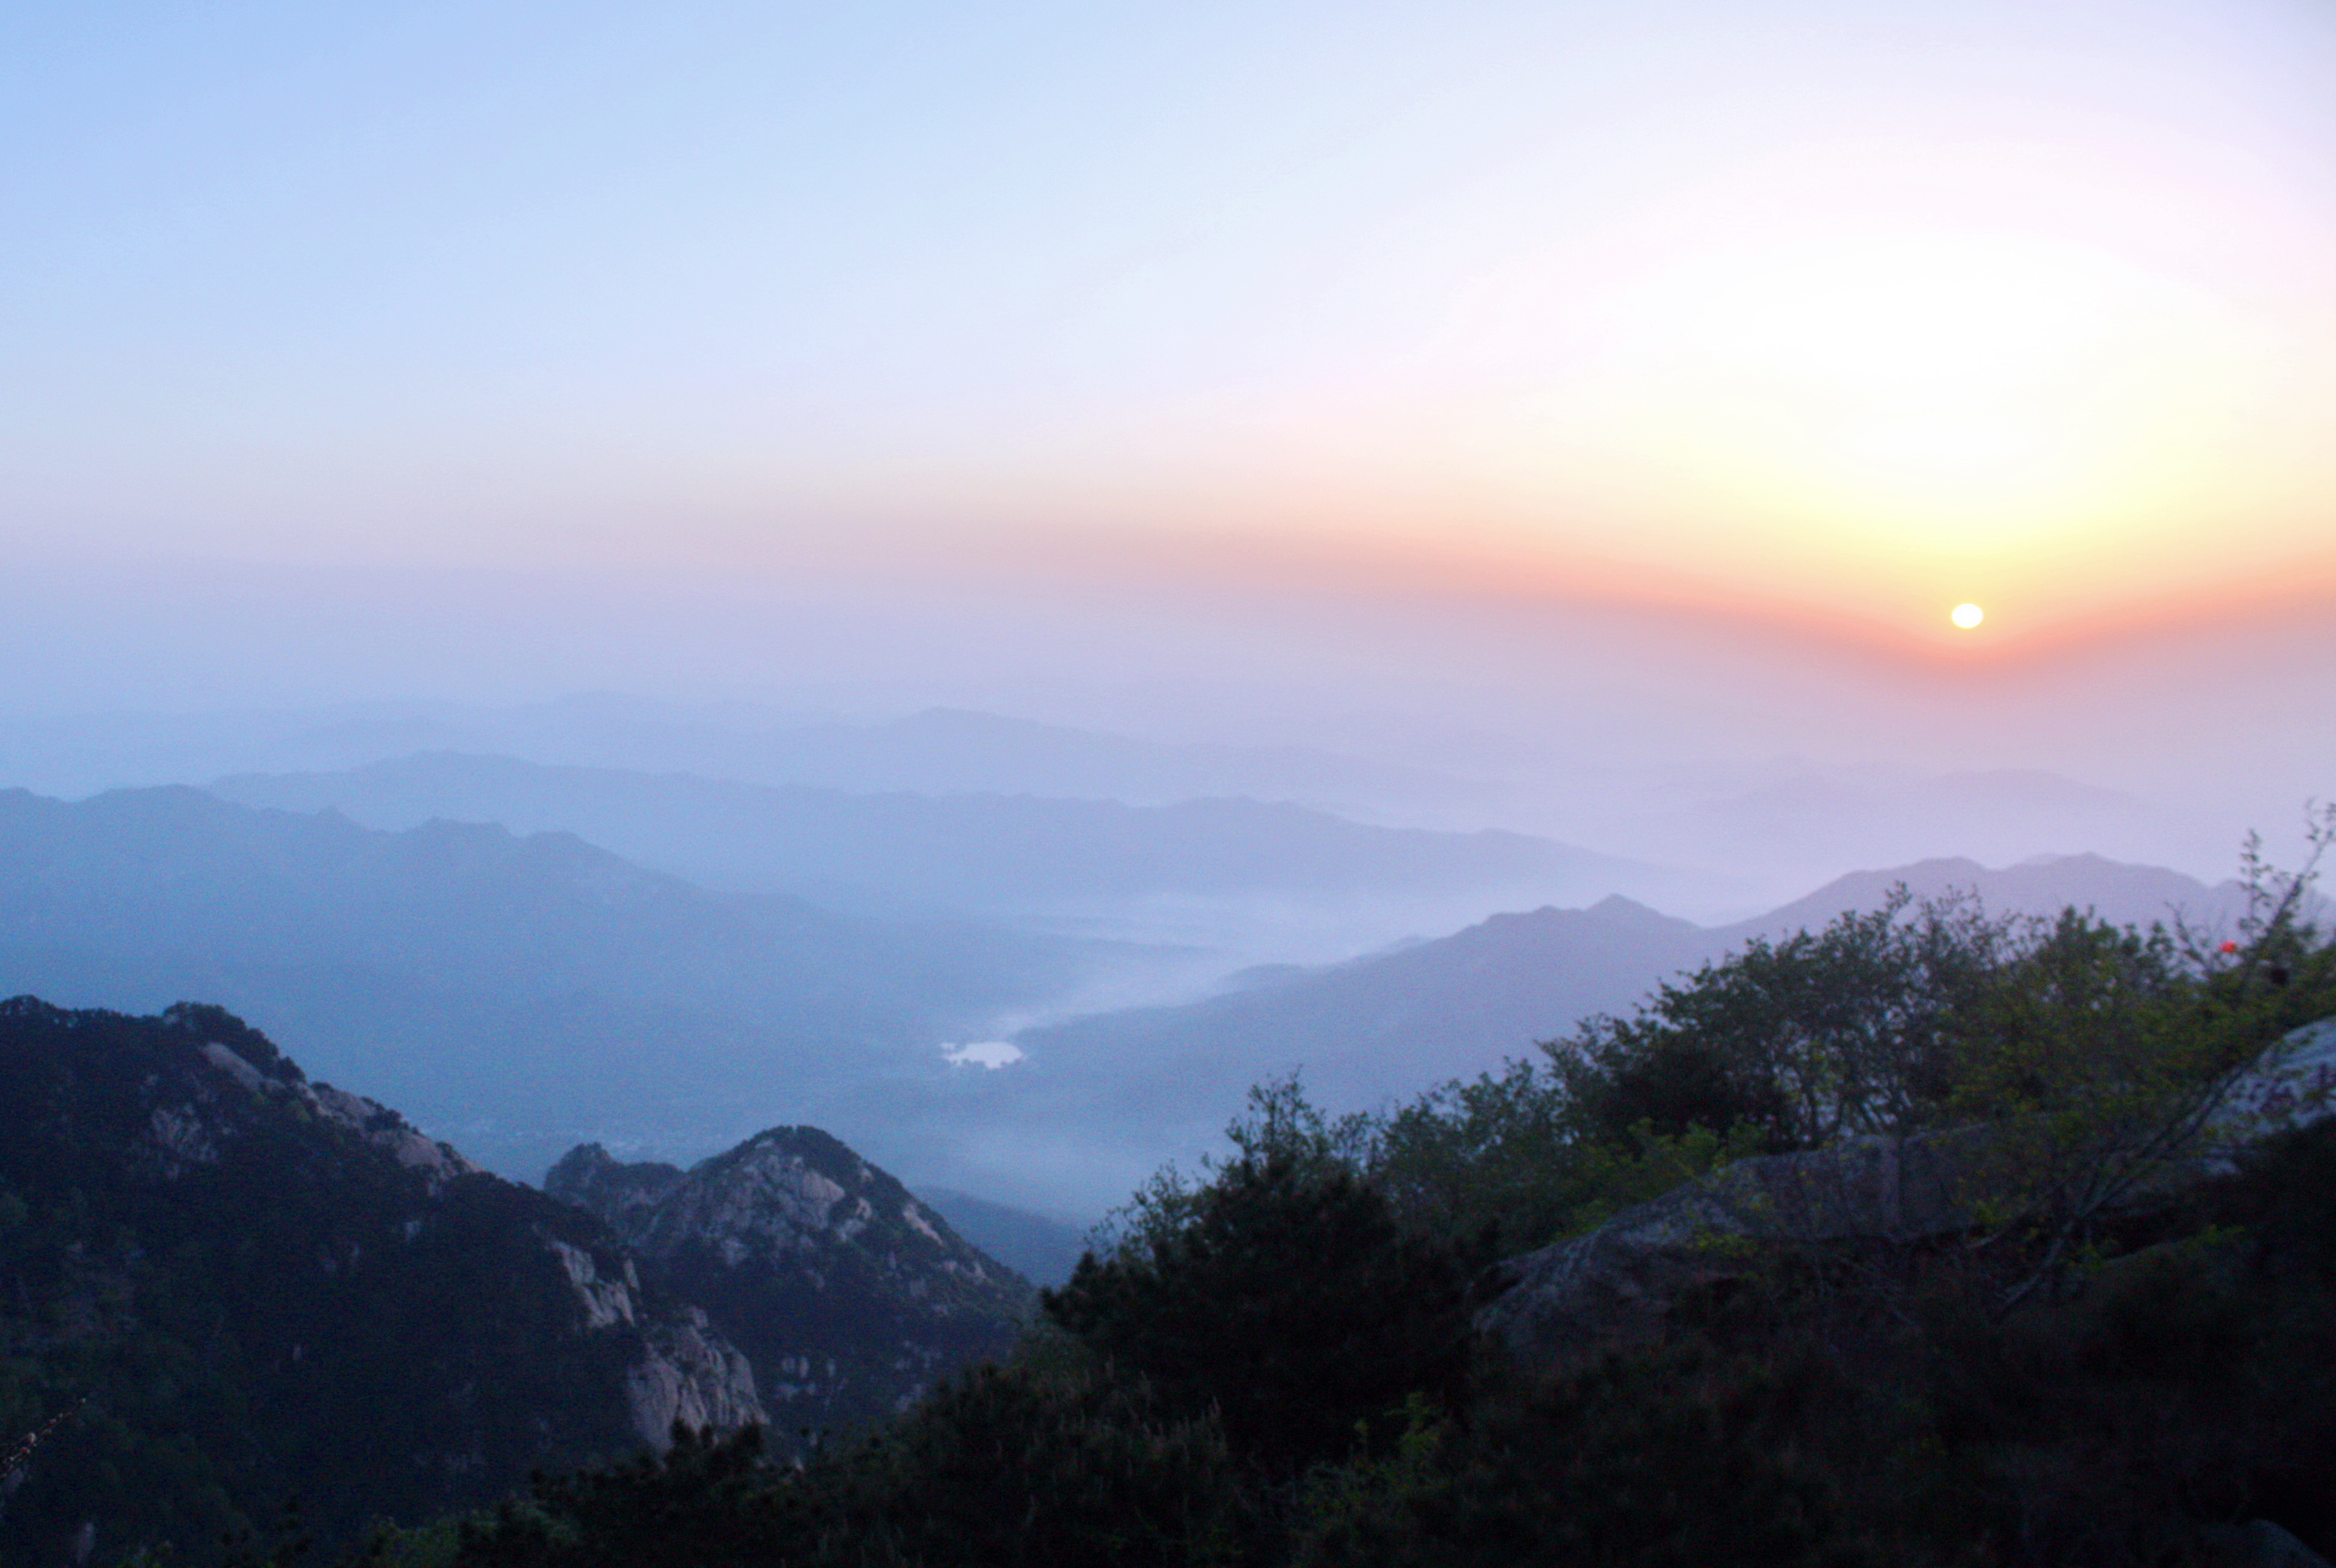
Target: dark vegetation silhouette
(2117, 1361)
(1284, 1300)
(1270, 1363)
(213, 1297)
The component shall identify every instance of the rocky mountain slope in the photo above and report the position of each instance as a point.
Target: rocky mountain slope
(249, 1286)
(1112, 1096)
(848, 1295)
(1398, 1022)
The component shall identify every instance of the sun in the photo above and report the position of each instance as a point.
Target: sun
(1967, 615)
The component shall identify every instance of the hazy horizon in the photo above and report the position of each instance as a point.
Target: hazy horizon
(1836, 316)
(1631, 385)
(1579, 721)
(1583, 422)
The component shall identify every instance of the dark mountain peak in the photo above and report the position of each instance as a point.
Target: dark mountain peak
(209, 1084)
(210, 1024)
(848, 1294)
(205, 1233)
(592, 1178)
(789, 1193)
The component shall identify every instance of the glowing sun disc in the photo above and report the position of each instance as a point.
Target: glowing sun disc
(1967, 615)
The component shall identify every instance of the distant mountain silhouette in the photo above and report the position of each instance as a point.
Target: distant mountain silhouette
(1391, 1026)
(1435, 1011)
(2121, 893)
(1833, 817)
(1041, 1250)
(519, 992)
(984, 853)
(938, 751)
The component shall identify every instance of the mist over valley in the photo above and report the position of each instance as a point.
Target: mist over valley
(1038, 998)
(1168, 786)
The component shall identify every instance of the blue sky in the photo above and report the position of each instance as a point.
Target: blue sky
(1819, 316)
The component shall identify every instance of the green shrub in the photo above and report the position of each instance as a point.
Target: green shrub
(1002, 1468)
(1286, 1300)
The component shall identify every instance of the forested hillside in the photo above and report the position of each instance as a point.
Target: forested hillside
(225, 1288)
(1928, 1238)
(241, 1288)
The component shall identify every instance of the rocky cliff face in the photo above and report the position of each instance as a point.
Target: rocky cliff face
(623, 1194)
(268, 1287)
(848, 1295)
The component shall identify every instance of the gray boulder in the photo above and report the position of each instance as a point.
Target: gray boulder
(1623, 1279)
(2292, 1085)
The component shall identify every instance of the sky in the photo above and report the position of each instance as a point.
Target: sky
(370, 347)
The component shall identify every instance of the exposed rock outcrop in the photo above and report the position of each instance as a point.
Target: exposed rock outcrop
(1622, 1278)
(688, 1372)
(419, 1334)
(589, 1177)
(435, 1162)
(2292, 1085)
(849, 1296)
(683, 1367)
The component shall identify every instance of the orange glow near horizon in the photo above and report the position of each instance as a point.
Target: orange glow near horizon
(1836, 387)
(1839, 315)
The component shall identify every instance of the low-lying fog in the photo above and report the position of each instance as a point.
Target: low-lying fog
(1020, 906)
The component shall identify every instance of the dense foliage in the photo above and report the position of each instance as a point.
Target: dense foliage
(1004, 1468)
(241, 1302)
(1272, 1364)
(1286, 1301)
(2191, 1387)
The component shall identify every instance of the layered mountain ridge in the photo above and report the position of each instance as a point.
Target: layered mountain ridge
(504, 989)
(981, 852)
(1152, 1083)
